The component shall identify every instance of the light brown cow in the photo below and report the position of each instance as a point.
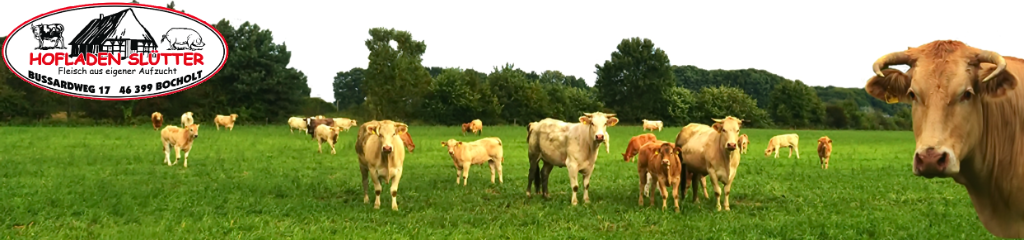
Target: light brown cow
(226, 121)
(633, 148)
(571, 145)
(967, 110)
(659, 161)
(297, 123)
(186, 119)
(715, 153)
(313, 122)
(744, 143)
(790, 141)
(652, 125)
(477, 152)
(344, 123)
(824, 151)
(381, 157)
(158, 120)
(407, 139)
(682, 138)
(476, 127)
(179, 139)
(326, 134)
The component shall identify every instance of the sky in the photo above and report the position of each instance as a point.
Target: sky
(818, 42)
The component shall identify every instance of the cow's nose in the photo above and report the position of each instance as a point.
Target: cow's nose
(730, 146)
(451, 152)
(599, 137)
(387, 148)
(931, 163)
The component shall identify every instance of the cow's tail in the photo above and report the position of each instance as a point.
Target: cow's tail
(528, 132)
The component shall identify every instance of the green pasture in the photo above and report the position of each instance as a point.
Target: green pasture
(262, 182)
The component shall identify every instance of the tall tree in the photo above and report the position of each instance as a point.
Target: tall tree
(637, 75)
(521, 100)
(794, 104)
(455, 97)
(348, 90)
(395, 79)
(721, 101)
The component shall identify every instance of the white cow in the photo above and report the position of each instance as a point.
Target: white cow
(570, 145)
(653, 124)
(783, 141)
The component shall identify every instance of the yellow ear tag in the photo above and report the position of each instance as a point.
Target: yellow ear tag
(890, 99)
(458, 144)
(374, 132)
(655, 153)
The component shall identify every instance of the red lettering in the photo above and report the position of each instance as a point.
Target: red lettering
(133, 59)
(177, 58)
(35, 59)
(187, 58)
(151, 62)
(101, 58)
(114, 59)
(80, 60)
(91, 59)
(198, 59)
(57, 57)
(67, 59)
(47, 58)
(165, 55)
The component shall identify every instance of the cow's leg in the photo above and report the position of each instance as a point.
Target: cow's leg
(545, 173)
(675, 191)
(177, 154)
(319, 145)
(167, 154)
(498, 166)
(717, 188)
(587, 172)
(826, 161)
(797, 150)
(375, 177)
(790, 152)
(704, 186)
(647, 188)
(458, 174)
(533, 177)
(491, 163)
(465, 173)
(696, 183)
(365, 172)
(662, 188)
(394, 189)
(776, 150)
(574, 171)
(332, 148)
(728, 188)
(643, 183)
(187, 150)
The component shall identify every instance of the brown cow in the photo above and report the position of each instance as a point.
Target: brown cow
(744, 143)
(966, 114)
(633, 148)
(407, 140)
(824, 151)
(158, 120)
(659, 160)
(466, 128)
(312, 122)
(715, 152)
(381, 157)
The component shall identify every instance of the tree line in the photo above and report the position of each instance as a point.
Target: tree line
(636, 82)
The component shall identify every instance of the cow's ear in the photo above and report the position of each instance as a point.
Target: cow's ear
(999, 85)
(458, 144)
(584, 119)
(892, 88)
(401, 128)
(612, 121)
(444, 144)
(717, 126)
(830, 141)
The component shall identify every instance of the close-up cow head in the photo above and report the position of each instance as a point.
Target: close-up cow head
(598, 123)
(730, 126)
(194, 130)
(234, 116)
(451, 144)
(667, 153)
(387, 131)
(947, 86)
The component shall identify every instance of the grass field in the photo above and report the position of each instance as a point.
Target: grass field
(264, 183)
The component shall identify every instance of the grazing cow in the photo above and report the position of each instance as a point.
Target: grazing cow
(967, 110)
(296, 123)
(186, 119)
(715, 153)
(381, 157)
(659, 161)
(682, 138)
(158, 120)
(311, 124)
(180, 139)
(407, 140)
(744, 143)
(477, 152)
(790, 141)
(570, 145)
(652, 124)
(226, 121)
(466, 128)
(344, 123)
(633, 148)
(824, 151)
(326, 134)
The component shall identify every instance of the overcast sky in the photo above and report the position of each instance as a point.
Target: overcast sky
(819, 42)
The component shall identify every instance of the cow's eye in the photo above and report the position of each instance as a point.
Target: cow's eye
(913, 97)
(966, 95)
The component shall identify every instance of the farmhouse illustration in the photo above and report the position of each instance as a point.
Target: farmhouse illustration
(183, 38)
(49, 35)
(120, 32)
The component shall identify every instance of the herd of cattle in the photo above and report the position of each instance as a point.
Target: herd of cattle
(967, 112)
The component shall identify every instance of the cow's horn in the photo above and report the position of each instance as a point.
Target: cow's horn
(609, 115)
(993, 58)
(894, 58)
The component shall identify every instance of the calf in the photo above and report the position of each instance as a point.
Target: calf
(326, 134)
(744, 142)
(296, 123)
(476, 152)
(186, 119)
(226, 121)
(312, 123)
(652, 124)
(660, 160)
(180, 139)
(574, 146)
(158, 119)
(633, 148)
(783, 141)
(824, 151)
(477, 127)
(714, 152)
(381, 157)
(407, 139)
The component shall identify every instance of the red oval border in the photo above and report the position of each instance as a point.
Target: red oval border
(222, 40)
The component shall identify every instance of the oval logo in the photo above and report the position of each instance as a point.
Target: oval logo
(115, 51)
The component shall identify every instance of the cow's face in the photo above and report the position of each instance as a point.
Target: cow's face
(451, 144)
(666, 153)
(730, 127)
(387, 132)
(194, 130)
(947, 85)
(234, 116)
(599, 122)
(824, 141)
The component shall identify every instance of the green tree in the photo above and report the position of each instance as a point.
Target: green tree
(794, 104)
(395, 79)
(718, 102)
(521, 100)
(836, 117)
(348, 90)
(455, 97)
(637, 76)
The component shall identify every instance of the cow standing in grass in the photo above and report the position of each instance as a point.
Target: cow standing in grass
(326, 134)
(186, 119)
(180, 139)
(296, 123)
(158, 120)
(485, 150)
(570, 145)
(659, 164)
(824, 151)
(715, 153)
(381, 157)
(226, 121)
(790, 141)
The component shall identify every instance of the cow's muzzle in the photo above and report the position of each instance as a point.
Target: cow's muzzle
(931, 163)
(730, 146)
(599, 137)
(387, 149)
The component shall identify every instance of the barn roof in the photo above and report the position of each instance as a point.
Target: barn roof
(114, 26)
